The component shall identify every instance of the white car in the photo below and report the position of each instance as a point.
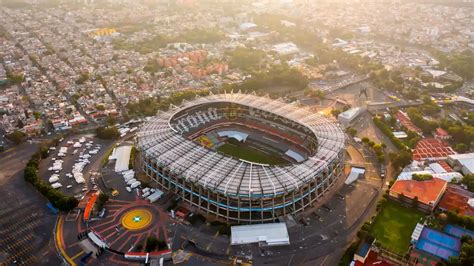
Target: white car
(69, 186)
(128, 189)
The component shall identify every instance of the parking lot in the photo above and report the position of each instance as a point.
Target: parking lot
(321, 232)
(73, 164)
(25, 222)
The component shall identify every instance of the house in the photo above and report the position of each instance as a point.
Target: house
(367, 254)
(441, 134)
(458, 200)
(462, 162)
(431, 149)
(426, 193)
(405, 121)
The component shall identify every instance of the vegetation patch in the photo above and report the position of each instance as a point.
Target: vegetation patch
(109, 132)
(394, 225)
(421, 177)
(149, 106)
(133, 154)
(58, 199)
(105, 159)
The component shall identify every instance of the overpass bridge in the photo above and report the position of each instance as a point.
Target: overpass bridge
(344, 83)
(379, 106)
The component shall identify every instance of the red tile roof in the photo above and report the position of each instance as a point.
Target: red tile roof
(427, 191)
(455, 199)
(432, 148)
(441, 132)
(372, 260)
(445, 166)
(406, 122)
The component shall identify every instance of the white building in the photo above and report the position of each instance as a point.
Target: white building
(433, 169)
(285, 48)
(356, 173)
(345, 118)
(247, 26)
(121, 155)
(272, 234)
(462, 162)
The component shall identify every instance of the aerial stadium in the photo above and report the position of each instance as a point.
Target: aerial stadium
(243, 158)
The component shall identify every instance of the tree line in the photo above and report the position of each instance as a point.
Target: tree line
(30, 173)
(150, 106)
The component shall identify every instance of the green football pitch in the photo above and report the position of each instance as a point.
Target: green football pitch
(251, 154)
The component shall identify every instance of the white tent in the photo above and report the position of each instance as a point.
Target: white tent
(470, 202)
(270, 234)
(355, 173)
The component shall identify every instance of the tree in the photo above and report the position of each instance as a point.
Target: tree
(100, 107)
(414, 202)
(20, 124)
(335, 112)
(16, 137)
(351, 131)
(400, 159)
(101, 200)
(107, 133)
(461, 148)
(151, 244)
(246, 59)
(37, 115)
(468, 180)
(381, 158)
(111, 121)
(466, 257)
(83, 77)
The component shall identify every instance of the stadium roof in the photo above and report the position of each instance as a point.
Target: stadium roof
(232, 176)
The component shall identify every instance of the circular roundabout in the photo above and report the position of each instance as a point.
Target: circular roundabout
(136, 219)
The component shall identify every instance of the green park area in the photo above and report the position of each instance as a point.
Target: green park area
(394, 225)
(250, 154)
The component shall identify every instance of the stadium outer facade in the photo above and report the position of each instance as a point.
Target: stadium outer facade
(234, 189)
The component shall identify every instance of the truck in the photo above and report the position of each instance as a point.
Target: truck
(128, 179)
(135, 184)
(155, 196)
(131, 181)
(56, 185)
